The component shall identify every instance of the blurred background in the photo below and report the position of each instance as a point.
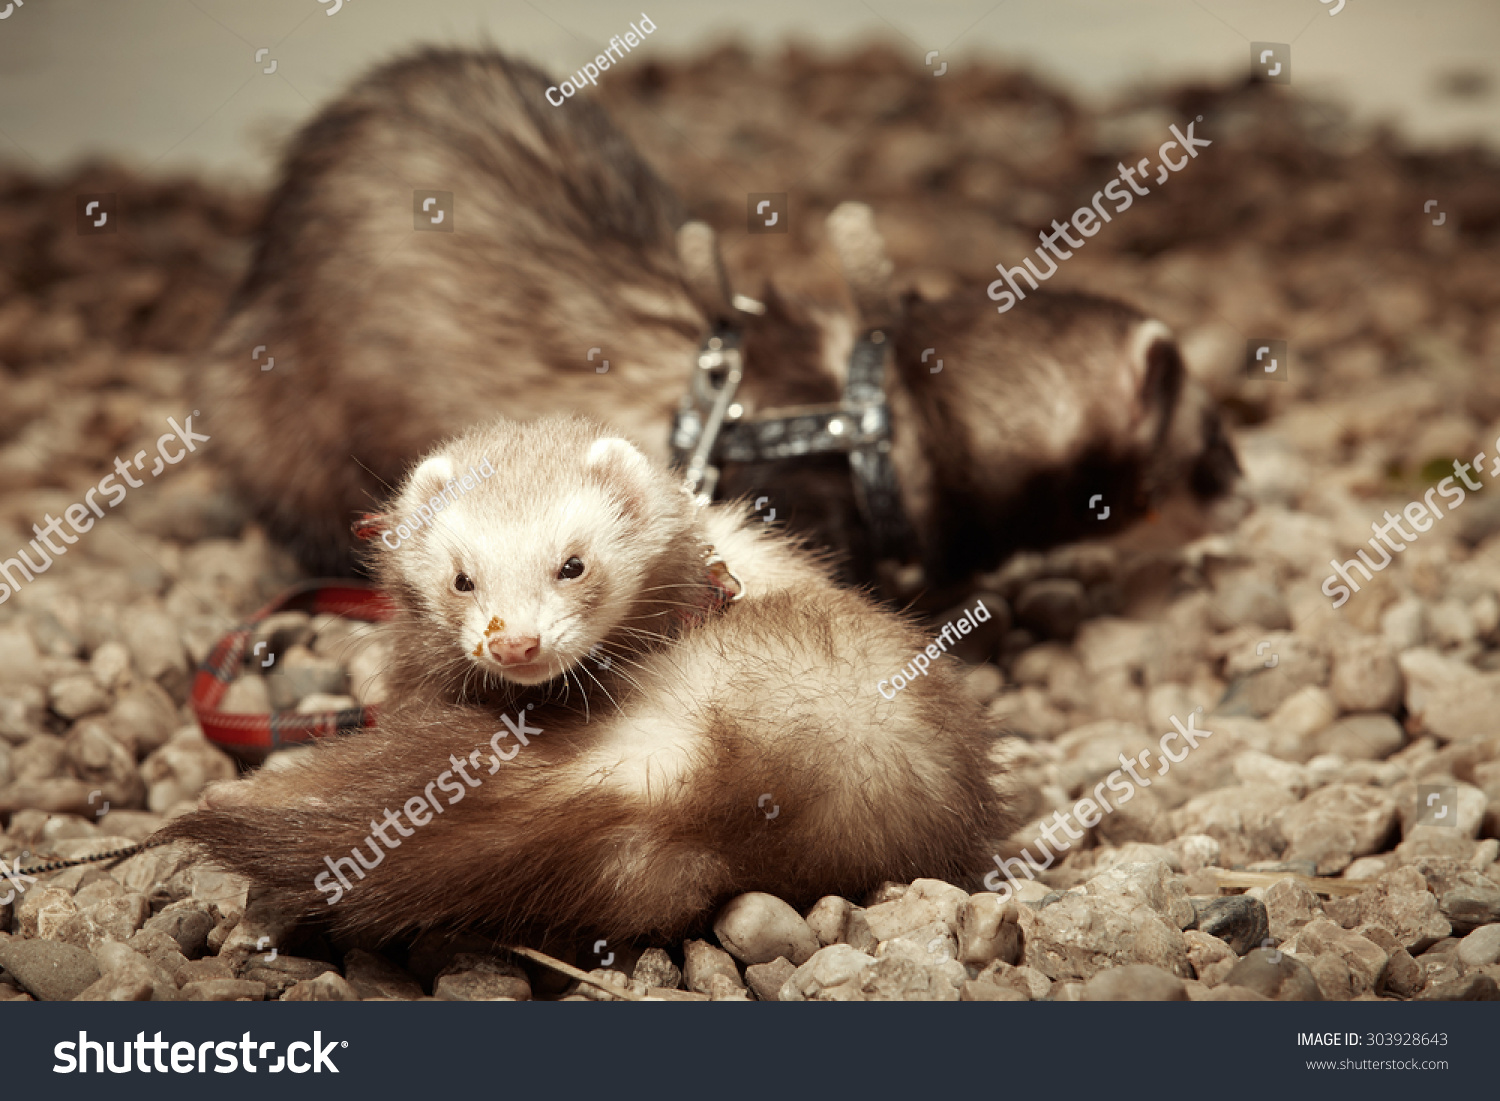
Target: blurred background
(175, 85)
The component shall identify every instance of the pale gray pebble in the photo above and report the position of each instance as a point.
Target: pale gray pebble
(827, 975)
(77, 696)
(1470, 988)
(1275, 975)
(757, 927)
(281, 972)
(1481, 947)
(47, 969)
(471, 977)
(975, 990)
(187, 924)
(1135, 982)
(373, 976)
(702, 961)
(766, 979)
(224, 990)
(327, 987)
(655, 969)
(926, 901)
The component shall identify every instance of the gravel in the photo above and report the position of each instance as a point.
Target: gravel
(1335, 836)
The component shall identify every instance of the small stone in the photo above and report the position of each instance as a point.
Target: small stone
(321, 701)
(758, 927)
(721, 988)
(181, 769)
(48, 970)
(224, 990)
(301, 673)
(655, 969)
(1240, 921)
(246, 696)
(125, 963)
(1481, 947)
(1289, 906)
(1363, 737)
(210, 967)
(701, 961)
(1468, 906)
(186, 924)
(1052, 607)
(1365, 675)
(143, 717)
(767, 979)
(1211, 958)
(975, 990)
(828, 917)
(827, 976)
(927, 900)
(1030, 982)
(1471, 988)
(471, 977)
(327, 987)
(987, 931)
(1363, 958)
(1403, 976)
(1078, 936)
(1274, 974)
(155, 647)
(74, 697)
(1135, 982)
(374, 976)
(44, 911)
(110, 665)
(1337, 823)
(899, 978)
(1401, 904)
(282, 972)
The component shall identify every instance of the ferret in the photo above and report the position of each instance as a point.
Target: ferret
(615, 707)
(554, 283)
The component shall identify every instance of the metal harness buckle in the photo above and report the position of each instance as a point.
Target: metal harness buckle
(710, 428)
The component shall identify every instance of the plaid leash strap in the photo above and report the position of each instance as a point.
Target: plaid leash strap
(252, 735)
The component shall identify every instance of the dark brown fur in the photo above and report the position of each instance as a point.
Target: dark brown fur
(387, 340)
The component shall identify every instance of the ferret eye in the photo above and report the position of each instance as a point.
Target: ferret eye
(572, 568)
(463, 583)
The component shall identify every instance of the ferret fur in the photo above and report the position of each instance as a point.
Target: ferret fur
(387, 340)
(747, 750)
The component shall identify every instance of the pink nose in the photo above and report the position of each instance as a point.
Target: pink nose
(515, 649)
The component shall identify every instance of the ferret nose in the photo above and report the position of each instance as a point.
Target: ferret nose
(515, 649)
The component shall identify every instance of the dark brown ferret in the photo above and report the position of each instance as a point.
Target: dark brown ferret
(559, 252)
(589, 735)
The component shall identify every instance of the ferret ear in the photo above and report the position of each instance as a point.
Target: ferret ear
(371, 524)
(627, 470)
(433, 471)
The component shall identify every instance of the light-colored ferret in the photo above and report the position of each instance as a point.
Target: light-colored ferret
(614, 709)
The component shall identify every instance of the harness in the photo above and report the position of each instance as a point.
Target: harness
(711, 428)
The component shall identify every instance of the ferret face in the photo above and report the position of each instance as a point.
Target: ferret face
(525, 570)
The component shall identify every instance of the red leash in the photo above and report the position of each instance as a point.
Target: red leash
(248, 735)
